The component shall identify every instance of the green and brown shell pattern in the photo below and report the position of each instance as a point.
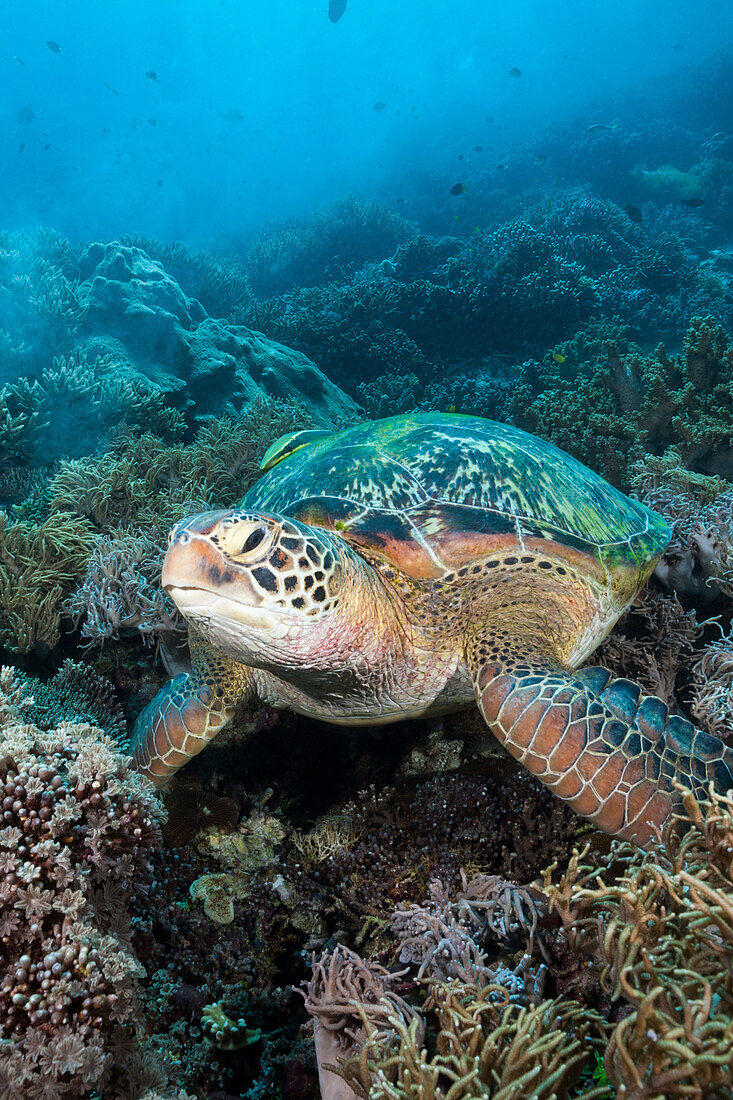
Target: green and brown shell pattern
(431, 491)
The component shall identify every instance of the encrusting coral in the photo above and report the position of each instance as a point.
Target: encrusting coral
(78, 828)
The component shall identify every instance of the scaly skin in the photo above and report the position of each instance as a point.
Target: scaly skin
(612, 753)
(189, 712)
(411, 567)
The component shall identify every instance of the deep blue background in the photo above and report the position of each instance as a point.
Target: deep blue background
(306, 89)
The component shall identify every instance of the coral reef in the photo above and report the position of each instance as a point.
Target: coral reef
(660, 934)
(712, 688)
(613, 412)
(142, 380)
(346, 234)
(78, 828)
(513, 290)
(653, 645)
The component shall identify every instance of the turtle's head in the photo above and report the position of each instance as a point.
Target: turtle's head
(266, 590)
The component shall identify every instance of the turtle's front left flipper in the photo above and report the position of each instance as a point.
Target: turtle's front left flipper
(188, 712)
(612, 753)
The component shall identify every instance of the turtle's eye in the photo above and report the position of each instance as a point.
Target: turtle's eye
(254, 540)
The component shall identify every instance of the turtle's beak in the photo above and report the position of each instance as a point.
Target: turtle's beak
(194, 565)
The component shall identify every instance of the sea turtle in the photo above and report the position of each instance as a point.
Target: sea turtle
(414, 566)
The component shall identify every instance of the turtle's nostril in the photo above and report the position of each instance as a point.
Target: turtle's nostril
(181, 537)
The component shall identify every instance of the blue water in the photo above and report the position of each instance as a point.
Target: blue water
(305, 88)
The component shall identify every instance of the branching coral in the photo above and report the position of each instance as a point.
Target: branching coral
(40, 306)
(346, 233)
(484, 1049)
(224, 1032)
(76, 693)
(447, 937)
(72, 407)
(661, 936)
(78, 826)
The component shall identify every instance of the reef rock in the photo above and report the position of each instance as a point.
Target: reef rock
(159, 335)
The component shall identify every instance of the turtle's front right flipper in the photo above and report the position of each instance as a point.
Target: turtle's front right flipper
(597, 742)
(188, 713)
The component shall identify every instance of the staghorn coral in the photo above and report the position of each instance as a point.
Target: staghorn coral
(330, 836)
(78, 827)
(40, 306)
(659, 928)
